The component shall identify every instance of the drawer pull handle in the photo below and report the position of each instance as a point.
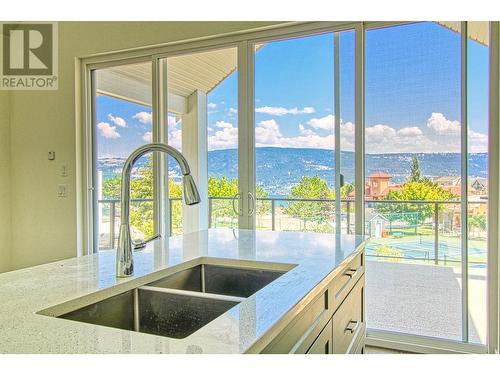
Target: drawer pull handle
(352, 326)
(351, 272)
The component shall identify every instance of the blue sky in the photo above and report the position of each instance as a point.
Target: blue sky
(412, 96)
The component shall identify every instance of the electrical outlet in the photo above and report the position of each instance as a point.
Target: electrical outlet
(62, 191)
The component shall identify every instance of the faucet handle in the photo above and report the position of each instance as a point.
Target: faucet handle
(142, 244)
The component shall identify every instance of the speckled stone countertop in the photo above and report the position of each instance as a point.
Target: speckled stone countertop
(69, 284)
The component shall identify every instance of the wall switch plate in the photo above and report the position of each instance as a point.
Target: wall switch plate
(64, 170)
(52, 155)
(62, 191)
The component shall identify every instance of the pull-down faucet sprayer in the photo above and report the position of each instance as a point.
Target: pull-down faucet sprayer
(124, 251)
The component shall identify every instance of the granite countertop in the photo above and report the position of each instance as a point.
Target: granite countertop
(247, 327)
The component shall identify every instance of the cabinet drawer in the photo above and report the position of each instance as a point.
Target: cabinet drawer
(298, 336)
(348, 320)
(323, 343)
(346, 280)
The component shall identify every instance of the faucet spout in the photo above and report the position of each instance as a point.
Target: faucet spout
(124, 251)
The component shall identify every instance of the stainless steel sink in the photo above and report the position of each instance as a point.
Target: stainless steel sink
(216, 279)
(151, 311)
(179, 304)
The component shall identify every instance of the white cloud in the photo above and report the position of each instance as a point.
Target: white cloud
(223, 124)
(410, 132)
(281, 111)
(108, 131)
(267, 133)
(379, 133)
(438, 135)
(324, 123)
(233, 111)
(226, 137)
(477, 142)
(379, 138)
(147, 137)
(304, 131)
(173, 121)
(174, 132)
(442, 126)
(119, 121)
(382, 138)
(212, 105)
(308, 110)
(144, 117)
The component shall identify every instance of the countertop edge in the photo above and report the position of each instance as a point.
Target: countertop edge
(266, 338)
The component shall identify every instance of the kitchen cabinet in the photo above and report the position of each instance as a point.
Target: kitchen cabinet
(333, 322)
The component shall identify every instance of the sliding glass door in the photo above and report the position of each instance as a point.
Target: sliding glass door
(122, 122)
(202, 97)
(192, 106)
(380, 131)
(426, 189)
(304, 133)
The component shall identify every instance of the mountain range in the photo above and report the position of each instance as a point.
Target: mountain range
(278, 169)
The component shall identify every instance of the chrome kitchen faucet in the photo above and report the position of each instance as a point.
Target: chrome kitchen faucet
(124, 251)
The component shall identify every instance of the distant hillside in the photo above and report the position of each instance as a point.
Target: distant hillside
(278, 169)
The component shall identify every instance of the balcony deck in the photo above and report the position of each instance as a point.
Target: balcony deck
(424, 299)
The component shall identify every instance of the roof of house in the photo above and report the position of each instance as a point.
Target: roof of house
(447, 180)
(380, 175)
(186, 73)
(369, 216)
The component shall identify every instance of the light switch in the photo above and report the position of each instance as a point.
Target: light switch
(64, 170)
(52, 155)
(62, 191)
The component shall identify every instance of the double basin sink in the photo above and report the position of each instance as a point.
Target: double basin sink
(179, 304)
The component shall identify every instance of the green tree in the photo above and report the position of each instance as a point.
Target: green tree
(415, 173)
(224, 188)
(346, 190)
(477, 223)
(415, 213)
(311, 188)
(416, 188)
(388, 254)
(141, 187)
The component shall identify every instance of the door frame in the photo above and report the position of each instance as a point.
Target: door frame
(246, 116)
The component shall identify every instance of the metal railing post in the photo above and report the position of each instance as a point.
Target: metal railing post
(273, 211)
(348, 217)
(210, 212)
(112, 214)
(436, 233)
(170, 215)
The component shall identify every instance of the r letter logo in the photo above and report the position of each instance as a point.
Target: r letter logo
(28, 56)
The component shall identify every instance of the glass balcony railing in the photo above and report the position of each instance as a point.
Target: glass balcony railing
(417, 231)
(414, 256)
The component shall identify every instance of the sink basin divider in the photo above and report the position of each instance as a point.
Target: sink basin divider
(136, 310)
(203, 278)
(220, 297)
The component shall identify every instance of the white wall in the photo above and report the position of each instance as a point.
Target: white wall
(5, 218)
(44, 226)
